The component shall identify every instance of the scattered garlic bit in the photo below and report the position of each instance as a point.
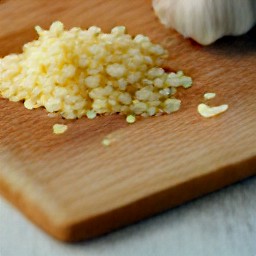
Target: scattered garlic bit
(206, 111)
(130, 119)
(106, 142)
(59, 128)
(110, 139)
(209, 95)
(52, 115)
(86, 72)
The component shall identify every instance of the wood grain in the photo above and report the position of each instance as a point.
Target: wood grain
(72, 186)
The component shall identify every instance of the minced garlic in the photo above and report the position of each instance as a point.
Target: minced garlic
(52, 115)
(91, 114)
(59, 128)
(106, 142)
(130, 119)
(209, 95)
(86, 72)
(206, 111)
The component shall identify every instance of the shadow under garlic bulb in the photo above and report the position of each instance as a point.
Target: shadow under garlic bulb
(205, 21)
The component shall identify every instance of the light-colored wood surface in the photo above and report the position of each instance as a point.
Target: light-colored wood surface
(224, 220)
(72, 186)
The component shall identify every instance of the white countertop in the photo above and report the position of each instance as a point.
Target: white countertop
(223, 223)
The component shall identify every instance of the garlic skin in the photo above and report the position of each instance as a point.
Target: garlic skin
(205, 21)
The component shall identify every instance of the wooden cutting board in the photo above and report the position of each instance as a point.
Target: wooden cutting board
(75, 188)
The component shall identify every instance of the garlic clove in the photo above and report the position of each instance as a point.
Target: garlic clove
(205, 21)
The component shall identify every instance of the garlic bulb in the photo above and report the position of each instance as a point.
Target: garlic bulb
(207, 20)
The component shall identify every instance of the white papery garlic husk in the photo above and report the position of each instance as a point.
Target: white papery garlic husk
(205, 21)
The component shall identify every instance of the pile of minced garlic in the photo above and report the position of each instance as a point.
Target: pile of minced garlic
(86, 72)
